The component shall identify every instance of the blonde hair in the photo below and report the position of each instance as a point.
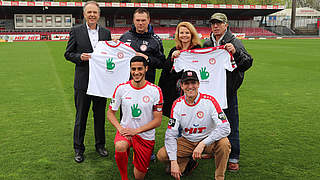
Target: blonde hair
(195, 40)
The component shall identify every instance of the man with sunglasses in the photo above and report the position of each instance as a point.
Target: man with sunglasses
(221, 35)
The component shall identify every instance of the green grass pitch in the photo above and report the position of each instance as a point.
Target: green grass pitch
(278, 105)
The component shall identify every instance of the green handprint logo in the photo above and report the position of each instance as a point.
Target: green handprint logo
(204, 74)
(135, 111)
(110, 64)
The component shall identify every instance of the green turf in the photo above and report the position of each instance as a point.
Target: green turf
(278, 104)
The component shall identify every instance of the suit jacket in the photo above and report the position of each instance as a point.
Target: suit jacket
(78, 43)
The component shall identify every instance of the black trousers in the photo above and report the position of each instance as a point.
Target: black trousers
(82, 104)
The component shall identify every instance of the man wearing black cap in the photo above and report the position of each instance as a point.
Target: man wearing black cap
(204, 130)
(221, 35)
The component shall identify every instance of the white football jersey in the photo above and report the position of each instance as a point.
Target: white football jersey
(137, 105)
(203, 121)
(109, 66)
(210, 64)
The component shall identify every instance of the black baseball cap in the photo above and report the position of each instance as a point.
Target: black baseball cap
(189, 75)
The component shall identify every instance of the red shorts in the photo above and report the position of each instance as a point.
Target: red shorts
(142, 150)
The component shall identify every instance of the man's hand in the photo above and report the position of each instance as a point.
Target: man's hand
(85, 56)
(130, 132)
(175, 170)
(121, 131)
(197, 152)
(229, 47)
(143, 55)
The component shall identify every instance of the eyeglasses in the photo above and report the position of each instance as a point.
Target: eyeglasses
(216, 22)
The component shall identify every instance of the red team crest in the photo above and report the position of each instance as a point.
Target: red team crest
(120, 55)
(212, 61)
(146, 99)
(200, 114)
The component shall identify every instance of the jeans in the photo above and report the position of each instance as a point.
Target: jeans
(233, 118)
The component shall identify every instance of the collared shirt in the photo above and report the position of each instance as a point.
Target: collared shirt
(195, 100)
(93, 35)
(218, 43)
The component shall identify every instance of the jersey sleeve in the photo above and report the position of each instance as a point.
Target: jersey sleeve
(177, 64)
(158, 100)
(172, 133)
(229, 63)
(222, 125)
(116, 99)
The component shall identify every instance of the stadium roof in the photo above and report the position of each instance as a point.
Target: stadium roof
(306, 11)
(155, 8)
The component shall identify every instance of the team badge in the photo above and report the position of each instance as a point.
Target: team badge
(120, 55)
(200, 114)
(212, 61)
(146, 99)
(143, 47)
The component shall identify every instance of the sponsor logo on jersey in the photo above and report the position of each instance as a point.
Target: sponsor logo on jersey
(195, 61)
(195, 125)
(103, 52)
(120, 55)
(200, 114)
(146, 99)
(128, 97)
(212, 61)
(110, 64)
(135, 111)
(203, 73)
(183, 114)
(195, 130)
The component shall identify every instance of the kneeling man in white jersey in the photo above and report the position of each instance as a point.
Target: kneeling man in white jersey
(141, 103)
(204, 129)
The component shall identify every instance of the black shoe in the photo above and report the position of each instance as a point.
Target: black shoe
(102, 151)
(79, 158)
(192, 164)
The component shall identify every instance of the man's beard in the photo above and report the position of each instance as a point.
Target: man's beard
(140, 79)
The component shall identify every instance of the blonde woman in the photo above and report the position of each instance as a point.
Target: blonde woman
(186, 37)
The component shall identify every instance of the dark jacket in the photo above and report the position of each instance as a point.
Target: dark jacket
(241, 57)
(169, 83)
(149, 44)
(79, 43)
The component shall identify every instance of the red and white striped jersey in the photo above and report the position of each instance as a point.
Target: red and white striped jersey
(137, 105)
(210, 64)
(203, 121)
(109, 66)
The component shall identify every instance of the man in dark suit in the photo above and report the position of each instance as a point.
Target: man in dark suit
(83, 39)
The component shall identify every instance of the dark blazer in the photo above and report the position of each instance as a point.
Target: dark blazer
(78, 43)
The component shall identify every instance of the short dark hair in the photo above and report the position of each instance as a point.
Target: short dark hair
(139, 59)
(141, 11)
